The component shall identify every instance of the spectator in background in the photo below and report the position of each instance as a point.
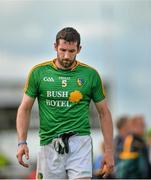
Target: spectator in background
(148, 140)
(134, 159)
(123, 129)
(137, 125)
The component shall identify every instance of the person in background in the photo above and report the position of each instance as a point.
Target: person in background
(148, 140)
(122, 126)
(134, 158)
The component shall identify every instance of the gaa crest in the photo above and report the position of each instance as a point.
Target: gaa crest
(80, 81)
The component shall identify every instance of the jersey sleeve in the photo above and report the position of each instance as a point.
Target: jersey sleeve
(98, 93)
(31, 85)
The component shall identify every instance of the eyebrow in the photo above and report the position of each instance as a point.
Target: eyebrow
(68, 49)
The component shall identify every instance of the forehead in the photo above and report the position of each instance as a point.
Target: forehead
(66, 44)
(138, 122)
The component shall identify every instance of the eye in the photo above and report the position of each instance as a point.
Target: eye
(63, 50)
(72, 50)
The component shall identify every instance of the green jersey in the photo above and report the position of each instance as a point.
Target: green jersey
(63, 98)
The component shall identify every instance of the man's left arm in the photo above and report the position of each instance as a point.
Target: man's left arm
(107, 130)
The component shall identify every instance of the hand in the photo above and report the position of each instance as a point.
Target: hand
(107, 163)
(22, 150)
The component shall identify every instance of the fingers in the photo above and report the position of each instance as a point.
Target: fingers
(23, 150)
(105, 171)
(109, 160)
(107, 165)
(105, 175)
(20, 160)
(110, 166)
(27, 154)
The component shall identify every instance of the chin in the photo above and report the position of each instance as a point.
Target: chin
(67, 65)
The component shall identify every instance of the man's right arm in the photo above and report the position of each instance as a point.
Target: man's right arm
(22, 124)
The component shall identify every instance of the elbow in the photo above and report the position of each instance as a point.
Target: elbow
(24, 108)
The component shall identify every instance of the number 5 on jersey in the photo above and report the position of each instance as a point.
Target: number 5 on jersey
(64, 83)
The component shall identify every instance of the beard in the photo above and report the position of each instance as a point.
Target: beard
(66, 63)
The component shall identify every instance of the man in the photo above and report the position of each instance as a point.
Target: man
(64, 88)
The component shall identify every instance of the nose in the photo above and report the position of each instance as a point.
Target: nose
(66, 55)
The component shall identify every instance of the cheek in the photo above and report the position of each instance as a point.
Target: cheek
(73, 55)
(60, 53)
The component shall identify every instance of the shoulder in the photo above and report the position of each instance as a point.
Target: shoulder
(138, 141)
(88, 68)
(41, 65)
(135, 141)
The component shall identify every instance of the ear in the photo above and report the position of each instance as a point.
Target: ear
(79, 49)
(55, 46)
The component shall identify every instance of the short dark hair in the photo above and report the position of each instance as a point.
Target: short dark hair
(121, 122)
(68, 34)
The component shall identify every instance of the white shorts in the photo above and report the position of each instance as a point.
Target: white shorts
(76, 164)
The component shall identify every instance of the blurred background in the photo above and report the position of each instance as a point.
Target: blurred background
(116, 40)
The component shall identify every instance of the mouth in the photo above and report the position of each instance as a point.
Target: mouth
(67, 63)
(66, 60)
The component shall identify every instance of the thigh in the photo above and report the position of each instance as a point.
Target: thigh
(50, 165)
(79, 159)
